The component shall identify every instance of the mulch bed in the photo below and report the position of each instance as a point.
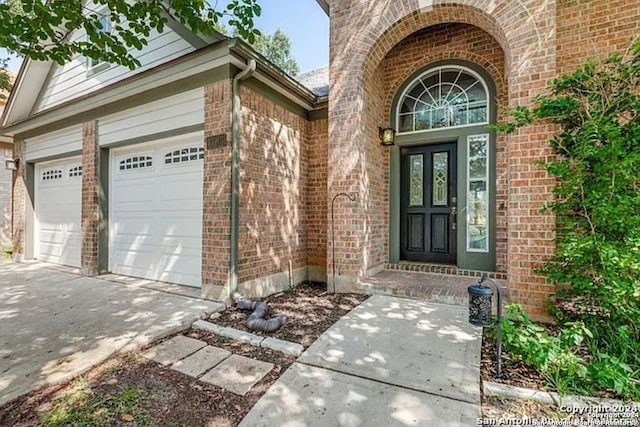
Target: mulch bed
(310, 309)
(514, 371)
(173, 398)
(495, 408)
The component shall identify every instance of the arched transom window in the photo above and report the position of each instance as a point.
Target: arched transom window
(443, 97)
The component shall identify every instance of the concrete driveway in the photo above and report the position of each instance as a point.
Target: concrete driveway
(55, 325)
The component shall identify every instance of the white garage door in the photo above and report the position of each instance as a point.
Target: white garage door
(156, 210)
(58, 207)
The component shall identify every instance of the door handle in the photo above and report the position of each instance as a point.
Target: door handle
(454, 217)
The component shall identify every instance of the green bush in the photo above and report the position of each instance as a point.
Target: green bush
(597, 206)
(554, 356)
(574, 360)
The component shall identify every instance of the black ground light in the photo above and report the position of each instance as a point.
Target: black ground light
(480, 299)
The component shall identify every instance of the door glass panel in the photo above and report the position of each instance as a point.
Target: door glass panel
(440, 179)
(477, 194)
(416, 179)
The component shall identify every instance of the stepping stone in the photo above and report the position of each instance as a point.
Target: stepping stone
(237, 374)
(174, 349)
(201, 361)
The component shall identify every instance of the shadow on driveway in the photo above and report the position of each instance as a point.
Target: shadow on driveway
(56, 325)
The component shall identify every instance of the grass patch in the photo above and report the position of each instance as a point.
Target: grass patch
(79, 406)
(5, 254)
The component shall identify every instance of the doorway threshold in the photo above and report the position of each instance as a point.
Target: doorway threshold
(448, 269)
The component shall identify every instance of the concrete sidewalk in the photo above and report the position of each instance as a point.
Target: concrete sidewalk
(56, 325)
(389, 362)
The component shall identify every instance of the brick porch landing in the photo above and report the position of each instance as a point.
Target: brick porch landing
(442, 288)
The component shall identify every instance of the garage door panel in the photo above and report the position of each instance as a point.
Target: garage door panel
(156, 218)
(58, 200)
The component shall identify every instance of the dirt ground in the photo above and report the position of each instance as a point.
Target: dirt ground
(495, 408)
(129, 390)
(514, 371)
(310, 310)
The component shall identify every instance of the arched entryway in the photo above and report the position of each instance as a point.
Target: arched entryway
(442, 179)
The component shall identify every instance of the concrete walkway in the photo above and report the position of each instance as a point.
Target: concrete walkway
(56, 325)
(389, 362)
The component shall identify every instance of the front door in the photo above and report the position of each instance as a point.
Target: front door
(428, 203)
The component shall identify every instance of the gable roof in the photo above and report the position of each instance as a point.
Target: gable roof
(316, 80)
(33, 76)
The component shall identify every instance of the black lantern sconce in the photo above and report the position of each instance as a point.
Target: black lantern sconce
(480, 304)
(11, 164)
(387, 136)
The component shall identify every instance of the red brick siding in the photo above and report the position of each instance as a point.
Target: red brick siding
(216, 226)
(594, 28)
(19, 199)
(90, 199)
(362, 34)
(457, 42)
(273, 182)
(6, 178)
(317, 199)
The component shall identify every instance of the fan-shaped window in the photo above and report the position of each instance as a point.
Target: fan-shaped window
(184, 155)
(443, 97)
(135, 162)
(75, 172)
(51, 174)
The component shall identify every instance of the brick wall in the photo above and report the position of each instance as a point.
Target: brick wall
(216, 225)
(6, 178)
(594, 28)
(317, 199)
(90, 199)
(19, 198)
(456, 42)
(273, 182)
(363, 32)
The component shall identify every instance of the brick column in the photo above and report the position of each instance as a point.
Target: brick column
(19, 202)
(90, 199)
(216, 221)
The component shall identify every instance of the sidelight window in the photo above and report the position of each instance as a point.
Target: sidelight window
(478, 193)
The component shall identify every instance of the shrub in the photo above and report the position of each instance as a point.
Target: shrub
(554, 356)
(596, 164)
(597, 206)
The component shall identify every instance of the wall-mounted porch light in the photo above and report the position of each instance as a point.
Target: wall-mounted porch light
(387, 136)
(11, 164)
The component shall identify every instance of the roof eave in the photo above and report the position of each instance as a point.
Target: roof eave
(324, 4)
(243, 49)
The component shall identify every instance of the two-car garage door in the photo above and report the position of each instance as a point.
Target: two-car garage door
(156, 210)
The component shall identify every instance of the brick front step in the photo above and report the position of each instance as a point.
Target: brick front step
(435, 287)
(443, 269)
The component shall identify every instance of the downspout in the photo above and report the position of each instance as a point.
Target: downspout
(236, 110)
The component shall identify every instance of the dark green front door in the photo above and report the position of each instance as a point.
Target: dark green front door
(428, 203)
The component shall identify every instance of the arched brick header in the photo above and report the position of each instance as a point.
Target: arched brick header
(363, 32)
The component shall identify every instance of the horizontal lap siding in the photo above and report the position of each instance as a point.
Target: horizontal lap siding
(71, 80)
(179, 111)
(57, 143)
